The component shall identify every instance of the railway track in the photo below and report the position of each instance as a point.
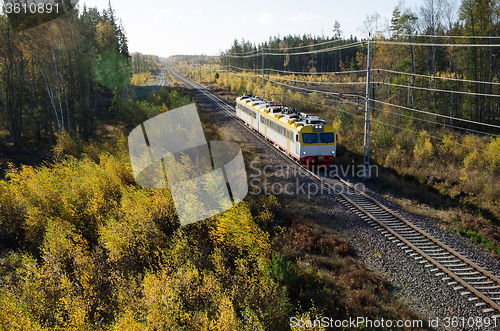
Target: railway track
(480, 287)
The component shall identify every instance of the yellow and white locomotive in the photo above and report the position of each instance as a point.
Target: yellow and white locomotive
(305, 137)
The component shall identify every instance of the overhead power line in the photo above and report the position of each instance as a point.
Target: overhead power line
(306, 46)
(318, 104)
(435, 114)
(243, 56)
(259, 53)
(321, 83)
(286, 48)
(433, 45)
(318, 73)
(242, 69)
(436, 77)
(241, 74)
(436, 36)
(439, 90)
(310, 90)
(319, 50)
(433, 122)
(442, 139)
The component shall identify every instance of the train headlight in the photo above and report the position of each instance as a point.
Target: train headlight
(333, 152)
(304, 153)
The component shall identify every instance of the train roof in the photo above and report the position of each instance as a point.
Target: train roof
(288, 113)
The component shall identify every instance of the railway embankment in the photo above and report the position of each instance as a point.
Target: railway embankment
(411, 282)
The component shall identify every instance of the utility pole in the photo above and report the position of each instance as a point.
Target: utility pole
(262, 72)
(227, 76)
(366, 156)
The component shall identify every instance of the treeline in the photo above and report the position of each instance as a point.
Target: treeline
(325, 61)
(52, 77)
(468, 84)
(144, 66)
(144, 63)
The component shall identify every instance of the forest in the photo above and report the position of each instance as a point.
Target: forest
(83, 247)
(425, 59)
(54, 77)
(434, 99)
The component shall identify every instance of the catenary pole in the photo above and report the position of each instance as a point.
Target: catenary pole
(262, 72)
(366, 155)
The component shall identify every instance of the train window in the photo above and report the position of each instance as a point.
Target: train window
(326, 137)
(310, 138)
(254, 114)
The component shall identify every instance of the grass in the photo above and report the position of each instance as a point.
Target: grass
(431, 201)
(479, 239)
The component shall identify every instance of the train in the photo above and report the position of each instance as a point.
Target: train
(307, 138)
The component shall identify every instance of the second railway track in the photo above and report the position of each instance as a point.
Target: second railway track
(477, 284)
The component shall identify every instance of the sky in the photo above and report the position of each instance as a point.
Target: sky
(167, 28)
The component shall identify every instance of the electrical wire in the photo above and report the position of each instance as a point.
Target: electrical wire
(435, 36)
(305, 46)
(242, 69)
(385, 103)
(436, 77)
(319, 73)
(434, 114)
(321, 105)
(439, 90)
(241, 74)
(243, 53)
(320, 50)
(355, 44)
(296, 87)
(433, 122)
(428, 135)
(243, 56)
(287, 48)
(324, 83)
(433, 45)
(305, 89)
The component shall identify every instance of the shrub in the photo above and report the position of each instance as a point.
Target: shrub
(475, 159)
(423, 149)
(15, 315)
(494, 160)
(310, 240)
(281, 269)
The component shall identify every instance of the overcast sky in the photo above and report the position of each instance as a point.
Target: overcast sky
(192, 27)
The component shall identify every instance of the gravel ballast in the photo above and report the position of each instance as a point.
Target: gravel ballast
(427, 294)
